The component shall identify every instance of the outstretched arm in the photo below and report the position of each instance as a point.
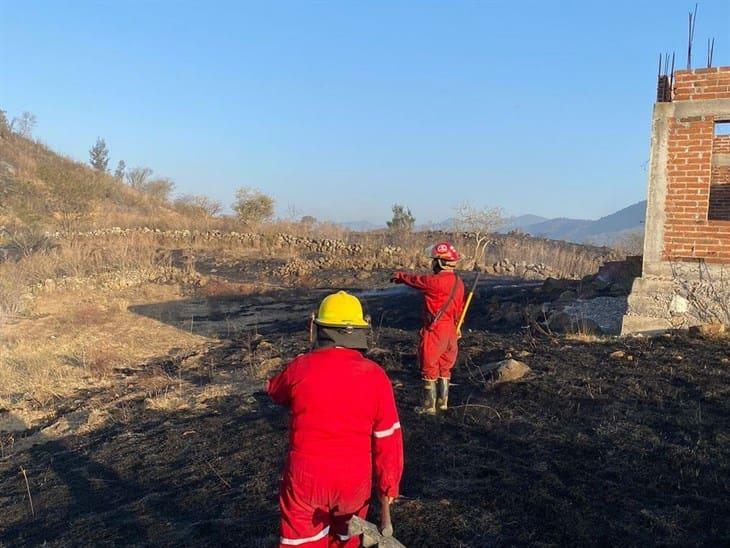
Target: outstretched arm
(412, 280)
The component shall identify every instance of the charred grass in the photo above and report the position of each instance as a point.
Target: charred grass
(588, 450)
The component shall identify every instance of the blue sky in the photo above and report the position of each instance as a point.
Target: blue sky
(339, 109)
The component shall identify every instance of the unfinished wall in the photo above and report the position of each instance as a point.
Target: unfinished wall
(719, 208)
(687, 232)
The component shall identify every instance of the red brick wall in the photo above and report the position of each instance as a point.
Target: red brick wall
(698, 196)
(721, 144)
(713, 83)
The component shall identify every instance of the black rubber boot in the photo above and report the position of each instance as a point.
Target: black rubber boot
(442, 401)
(429, 399)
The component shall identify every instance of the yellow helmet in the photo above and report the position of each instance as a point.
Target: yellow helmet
(340, 310)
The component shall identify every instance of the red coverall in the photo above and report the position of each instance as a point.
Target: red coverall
(438, 348)
(343, 420)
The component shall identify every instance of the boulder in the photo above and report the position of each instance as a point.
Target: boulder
(506, 370)
(712, 329)
(567, 295)
(555, 285)
(377, 353)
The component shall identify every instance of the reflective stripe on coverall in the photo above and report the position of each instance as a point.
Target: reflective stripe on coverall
(438, 348)
(343, 422)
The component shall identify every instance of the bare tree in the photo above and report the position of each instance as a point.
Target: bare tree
(99, 155)
(253, 206)
(159, 189)
(198, 204)
(292, 212)
(137, 177)
(24, 124)
(4, 124)
(478, 224)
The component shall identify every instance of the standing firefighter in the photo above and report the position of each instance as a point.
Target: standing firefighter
(443, 293)
(343, 423)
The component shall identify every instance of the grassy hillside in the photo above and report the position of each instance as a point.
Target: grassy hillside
(42, 189)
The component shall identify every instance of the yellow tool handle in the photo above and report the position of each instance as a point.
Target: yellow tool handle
(467, 303)
(463, 312)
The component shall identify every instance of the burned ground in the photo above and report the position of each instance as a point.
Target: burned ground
(592, 448)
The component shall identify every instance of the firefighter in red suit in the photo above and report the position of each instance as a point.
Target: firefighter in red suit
(443, 293)
(343, 426)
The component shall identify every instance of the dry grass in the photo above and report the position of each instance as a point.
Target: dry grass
(586, 338)
(74, 258)
(78, 339)
(564, 257)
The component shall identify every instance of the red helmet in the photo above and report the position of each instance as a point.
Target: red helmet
(445, 251)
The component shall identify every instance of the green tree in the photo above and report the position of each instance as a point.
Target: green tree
(120, 171)
(402, 221)
(72, 194)
(99, 155)
(253, 206)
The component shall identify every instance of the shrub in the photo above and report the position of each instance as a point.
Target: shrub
(253, 206)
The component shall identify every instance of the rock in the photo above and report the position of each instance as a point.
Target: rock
(264, 346)
(617, 355)
(712, 329)
(560, 322)
(555, 285)
(568, 295)
(506, 370)
(600, 284)
(678, 305)
(271, 363)
(376, 352)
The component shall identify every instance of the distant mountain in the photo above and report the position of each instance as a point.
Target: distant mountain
(361, 226)
(445, 225)
(521, 221)
(601, 231)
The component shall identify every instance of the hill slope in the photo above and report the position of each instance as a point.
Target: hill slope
(41, 188)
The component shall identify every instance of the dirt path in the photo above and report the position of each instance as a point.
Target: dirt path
(590, 450)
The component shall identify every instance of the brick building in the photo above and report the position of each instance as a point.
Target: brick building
(686, 267)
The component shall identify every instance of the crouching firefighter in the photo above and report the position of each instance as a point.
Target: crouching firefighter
(343, 424)
(443, 293)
